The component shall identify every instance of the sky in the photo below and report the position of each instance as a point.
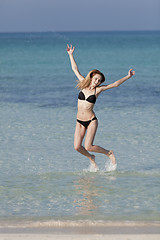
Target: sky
(79, 15)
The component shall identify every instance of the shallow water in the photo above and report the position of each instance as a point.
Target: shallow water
(41, 175)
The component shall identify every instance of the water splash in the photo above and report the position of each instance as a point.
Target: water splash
(109, 166)
(91, 168)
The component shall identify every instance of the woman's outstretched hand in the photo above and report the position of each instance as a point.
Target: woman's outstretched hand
(70, 49)
(131, 72)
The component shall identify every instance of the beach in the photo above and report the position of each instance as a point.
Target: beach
(81, 230)
(79, 237)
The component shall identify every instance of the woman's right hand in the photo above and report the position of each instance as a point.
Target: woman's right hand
(70, 49)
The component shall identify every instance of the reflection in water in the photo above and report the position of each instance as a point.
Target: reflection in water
(90, 195)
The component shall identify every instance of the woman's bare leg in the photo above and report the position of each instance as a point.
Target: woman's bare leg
(78, 138)
(91, 131)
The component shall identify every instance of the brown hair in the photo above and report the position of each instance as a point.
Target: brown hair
(87, 80)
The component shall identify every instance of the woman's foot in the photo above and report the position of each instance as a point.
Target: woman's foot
(112, 157)
(92, 160)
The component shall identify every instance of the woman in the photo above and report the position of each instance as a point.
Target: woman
(86, 118)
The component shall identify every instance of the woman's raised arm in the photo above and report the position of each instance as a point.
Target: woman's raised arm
(117, 83)
(74, 66)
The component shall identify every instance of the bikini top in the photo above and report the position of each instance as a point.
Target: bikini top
(91, 98)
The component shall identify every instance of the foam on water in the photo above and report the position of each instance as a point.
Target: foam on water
(91, 168)
(78, 223)
(109, 166)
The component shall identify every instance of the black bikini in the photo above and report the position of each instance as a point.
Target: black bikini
(91, 99)
(86, 123)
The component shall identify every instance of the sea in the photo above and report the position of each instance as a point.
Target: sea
(42, 177)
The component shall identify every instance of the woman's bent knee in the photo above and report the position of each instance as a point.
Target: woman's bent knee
(88, 148)
(77, 147)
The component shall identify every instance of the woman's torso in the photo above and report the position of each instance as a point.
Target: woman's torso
(86, 101)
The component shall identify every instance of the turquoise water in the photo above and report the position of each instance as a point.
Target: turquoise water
(41, 175)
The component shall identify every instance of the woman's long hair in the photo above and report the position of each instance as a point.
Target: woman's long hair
(87, 80)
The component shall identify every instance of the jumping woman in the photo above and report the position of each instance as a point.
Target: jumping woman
(86, 118)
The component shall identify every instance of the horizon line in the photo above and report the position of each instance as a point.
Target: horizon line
(71, 31)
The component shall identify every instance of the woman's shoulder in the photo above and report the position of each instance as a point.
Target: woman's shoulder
(98, 89)
(101, 88)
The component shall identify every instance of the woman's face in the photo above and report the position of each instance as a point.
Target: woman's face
(96, 80)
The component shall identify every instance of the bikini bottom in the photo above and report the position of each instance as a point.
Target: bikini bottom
(86, 123)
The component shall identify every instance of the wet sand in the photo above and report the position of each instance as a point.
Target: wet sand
(78, 237)
(81, 231)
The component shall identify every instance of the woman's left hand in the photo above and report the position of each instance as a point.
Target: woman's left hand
(131, 72)
(70, 49)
